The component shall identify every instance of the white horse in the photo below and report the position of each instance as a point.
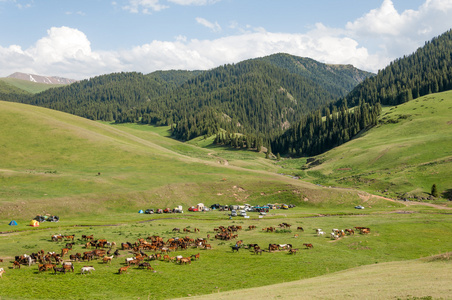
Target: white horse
(87, 269)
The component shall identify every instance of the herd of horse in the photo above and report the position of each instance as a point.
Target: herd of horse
(163, 249)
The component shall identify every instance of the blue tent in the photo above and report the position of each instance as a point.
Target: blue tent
(13, 223)
(141, 211)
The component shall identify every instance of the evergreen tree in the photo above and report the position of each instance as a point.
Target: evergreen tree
(434, 191)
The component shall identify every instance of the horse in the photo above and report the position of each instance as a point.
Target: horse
(1, 272)
(300, 228)
(293, 251)
(185, 260)
(235, 248)
(195, 256)
(61, 270)
(144, 265)
(87, 269)
(64, 251)
(349, 231)
(68, 266)
(258, 251)
(308, 246)
(108, 259)
(123, 269)
(45, 267)
(272, 247)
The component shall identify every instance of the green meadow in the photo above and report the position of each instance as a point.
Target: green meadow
(97, 176)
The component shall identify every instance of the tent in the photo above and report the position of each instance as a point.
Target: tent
(12, 223)
(200, 206)
(34, 223)
(140, 211)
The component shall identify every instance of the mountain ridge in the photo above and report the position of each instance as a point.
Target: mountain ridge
(41, 78)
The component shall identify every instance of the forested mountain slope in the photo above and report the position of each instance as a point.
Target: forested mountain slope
(259, 97)
(337, 79)
(426, 71)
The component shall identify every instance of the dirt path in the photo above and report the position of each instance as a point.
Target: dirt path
(219, 159)
(406, 203)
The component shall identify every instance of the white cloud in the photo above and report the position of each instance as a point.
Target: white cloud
(215, 27)
(401, 33)
(194, 2)
(143, 6)
(67, 51)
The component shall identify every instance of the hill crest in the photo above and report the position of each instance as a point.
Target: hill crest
(41, 78)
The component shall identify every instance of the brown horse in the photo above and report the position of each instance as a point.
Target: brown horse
(308, 246)
(123, 269)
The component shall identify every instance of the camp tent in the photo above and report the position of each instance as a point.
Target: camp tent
(141, 211)
(200, 206)
(12, 223)
(34, 223)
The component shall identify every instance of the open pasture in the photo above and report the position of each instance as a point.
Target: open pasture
(393, 237)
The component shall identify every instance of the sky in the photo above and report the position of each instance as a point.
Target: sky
(79, 39)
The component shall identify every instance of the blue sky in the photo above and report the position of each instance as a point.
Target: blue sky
(84, 38)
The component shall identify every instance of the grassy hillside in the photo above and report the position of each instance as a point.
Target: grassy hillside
(28, 86)
(50, 163)
(395, 280)
(96, 176)
(403, 156)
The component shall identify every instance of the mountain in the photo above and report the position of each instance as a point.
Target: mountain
(41, 79)
(424, 72)
(259, 97)
(338, 79)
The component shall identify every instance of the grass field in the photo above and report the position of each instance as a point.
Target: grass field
(96, 176)
(219, 269)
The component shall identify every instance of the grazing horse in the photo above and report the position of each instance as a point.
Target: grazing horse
(87, 269)
(308, 246)
(61, 270)
(45, 267)
(300, 228)
(235, 248)
(195, 256)
(123, 269)
(258, 251)
(64, 251)
(68, 266)
(1, 272)
(293, 251)
(69, 237)
(185, 260)
(272, 247)
(144, 265)
(16, 264)
(349, 231)
(108, 259)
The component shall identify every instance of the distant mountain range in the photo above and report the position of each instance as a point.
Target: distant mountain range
(41, 78)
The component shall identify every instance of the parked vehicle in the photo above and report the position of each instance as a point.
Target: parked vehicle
(233, 213)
